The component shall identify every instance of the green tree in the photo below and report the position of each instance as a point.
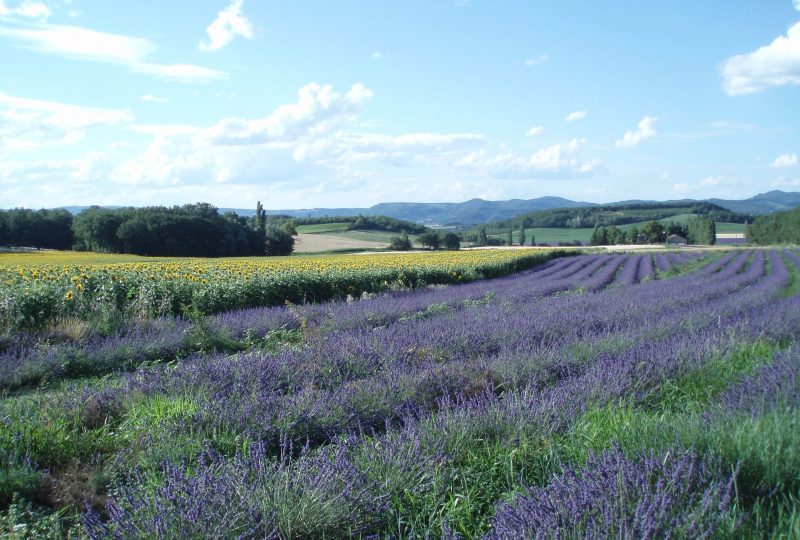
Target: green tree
(400, 243)
(599, 236)
(701, 230)
(509, 237)
(632, 236)
(451, 241)
(261, 218)
(653, 232)
(278, 242)
(614, 235)
(522, 235)
(430, 239)
(483, 238)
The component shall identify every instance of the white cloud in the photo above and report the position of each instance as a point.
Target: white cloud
(786, 160)
(644, 130)
(541, 59)
(26, 8)
(288, 152)
(230, 22)
(776, 64)
(92, 46)
(575, 116)
(150, 98)
(534, 131)
(184, 73)
(30, 124)
(81, 43)
(377, 55)
(318, 109)
(556, 161)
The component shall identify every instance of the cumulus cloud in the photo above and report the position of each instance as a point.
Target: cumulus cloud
(575, 116)
(559, 161)
(287, 152)
(93, 46)
(26, 8)
(230, 22)
(534, 131)
(786, 160)
(644, 130)
(318, 109)
(776, 64)
(30, 124)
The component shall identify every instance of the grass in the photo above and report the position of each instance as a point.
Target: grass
(318, 228)
(730, 228)
(371, 236)
(549, 235)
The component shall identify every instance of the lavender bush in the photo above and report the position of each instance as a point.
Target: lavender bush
(652, 496)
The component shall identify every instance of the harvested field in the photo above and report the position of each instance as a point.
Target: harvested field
(315, 243)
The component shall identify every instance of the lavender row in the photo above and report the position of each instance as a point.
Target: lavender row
(612, 496)
(356, 497)
(166, 339)
(361, 377)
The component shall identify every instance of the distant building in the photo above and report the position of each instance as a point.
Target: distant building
(675, 240)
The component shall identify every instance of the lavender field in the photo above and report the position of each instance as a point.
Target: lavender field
(594, 396)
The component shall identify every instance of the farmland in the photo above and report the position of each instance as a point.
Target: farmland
(619, 395)
(39, 288)
(554, 235)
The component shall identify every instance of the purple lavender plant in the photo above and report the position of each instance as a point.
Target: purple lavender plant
(652, 496)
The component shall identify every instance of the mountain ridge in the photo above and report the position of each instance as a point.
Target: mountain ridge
(476, 211)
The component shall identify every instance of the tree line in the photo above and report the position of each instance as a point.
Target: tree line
(191, 230)
(698, 230)
(615, 215)
(777, 228)
(22, 227)
(364, 223)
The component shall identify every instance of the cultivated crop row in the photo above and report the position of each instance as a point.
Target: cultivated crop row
(33, 296)
(566, 400)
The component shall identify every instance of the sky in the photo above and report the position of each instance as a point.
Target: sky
(344, 103)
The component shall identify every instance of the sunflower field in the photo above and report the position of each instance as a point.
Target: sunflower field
(39, 288)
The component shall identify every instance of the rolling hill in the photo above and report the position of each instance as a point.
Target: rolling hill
(476, 211)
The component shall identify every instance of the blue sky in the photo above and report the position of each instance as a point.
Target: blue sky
(307, 104)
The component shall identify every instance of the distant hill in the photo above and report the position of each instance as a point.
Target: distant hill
(476, 211)
(617, 214)
(469, 212)
(763, 203)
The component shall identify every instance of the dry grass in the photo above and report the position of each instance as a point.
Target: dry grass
(315, 243)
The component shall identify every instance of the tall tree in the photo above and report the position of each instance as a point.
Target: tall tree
(522, 235)
(509, 237)
(483, 238)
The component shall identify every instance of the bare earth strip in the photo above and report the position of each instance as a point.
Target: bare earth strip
(313, 243)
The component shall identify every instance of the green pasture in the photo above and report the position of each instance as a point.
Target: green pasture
(321, 228)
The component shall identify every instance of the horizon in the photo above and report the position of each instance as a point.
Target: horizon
(648, 201)
(234, 101)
